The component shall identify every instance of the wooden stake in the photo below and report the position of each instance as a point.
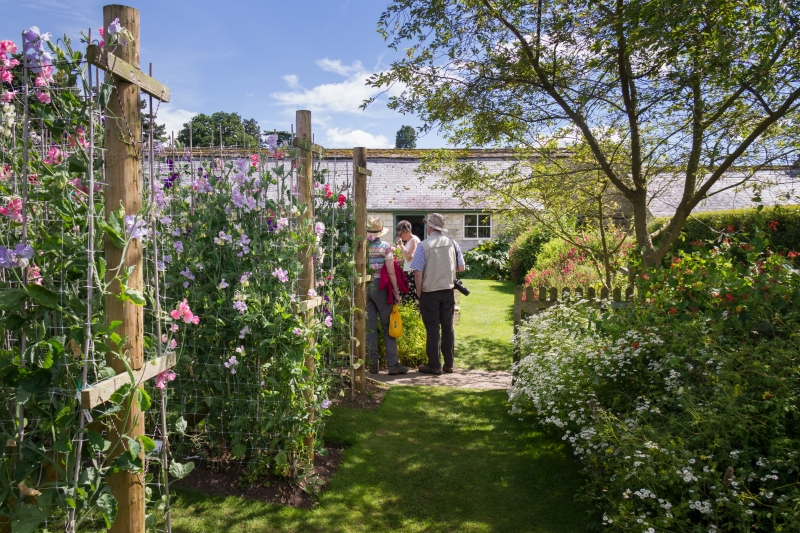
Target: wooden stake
(124, 186)
(360, 297)
(305, 189)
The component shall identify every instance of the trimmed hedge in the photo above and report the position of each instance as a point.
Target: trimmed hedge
(706, 227)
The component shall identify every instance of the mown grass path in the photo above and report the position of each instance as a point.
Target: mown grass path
(483, 335)
(429, 459)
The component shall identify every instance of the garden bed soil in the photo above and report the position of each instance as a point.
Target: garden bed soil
(223, 480)
(370, 399)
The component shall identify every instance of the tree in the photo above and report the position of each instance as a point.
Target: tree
(159, 130)
(650, 91)
(406, 138)
(235, 131)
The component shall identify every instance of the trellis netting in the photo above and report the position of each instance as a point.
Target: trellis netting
(55, 457)
(220, 243)
(231, 233)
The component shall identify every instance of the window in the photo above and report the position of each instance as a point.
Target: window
(478, 226)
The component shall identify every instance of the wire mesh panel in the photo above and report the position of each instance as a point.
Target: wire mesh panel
(58, 444)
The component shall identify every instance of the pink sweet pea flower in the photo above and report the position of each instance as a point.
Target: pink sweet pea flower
(13, 210)
(8, 96)
(43, 97)
(163, 378)
(297, 331)
(8, 47)
(5, 75)
(328, 321)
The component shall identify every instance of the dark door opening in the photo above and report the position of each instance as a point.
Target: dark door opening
(417, 224)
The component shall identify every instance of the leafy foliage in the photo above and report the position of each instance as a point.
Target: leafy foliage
(523, 252)
(638, 92)
(488, 260)
(235, 131)
(688, 432)
(406, 137)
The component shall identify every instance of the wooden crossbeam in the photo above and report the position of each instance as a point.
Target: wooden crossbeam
(109, 62)
(101, 392)
(363, 279)
(365, 171)
(309, 147)
(307, 305)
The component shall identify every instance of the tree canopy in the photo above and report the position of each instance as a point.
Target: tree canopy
(235, 131)
(638, 93)
(406, 138)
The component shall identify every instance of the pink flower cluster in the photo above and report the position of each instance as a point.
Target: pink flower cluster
(184, 312)
(54, 156)
(163, 378)
(13, 210)
(6, 64)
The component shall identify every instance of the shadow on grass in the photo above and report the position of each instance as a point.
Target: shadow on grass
(430, 459)
(474, 352)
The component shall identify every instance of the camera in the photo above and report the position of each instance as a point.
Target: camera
(461, 288)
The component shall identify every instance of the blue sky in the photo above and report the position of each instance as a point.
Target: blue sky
(262, 60)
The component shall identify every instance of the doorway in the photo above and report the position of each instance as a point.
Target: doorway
(418, 226)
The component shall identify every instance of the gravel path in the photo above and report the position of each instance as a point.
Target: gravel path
(462, 379)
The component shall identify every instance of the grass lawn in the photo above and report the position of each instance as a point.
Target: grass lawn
(483, 334)
(429, 459)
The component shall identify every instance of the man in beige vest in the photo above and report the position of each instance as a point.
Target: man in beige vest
(435, 264)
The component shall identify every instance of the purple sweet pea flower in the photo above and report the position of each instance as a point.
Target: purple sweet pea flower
(18, 257)
(178, 246)
(326, 404)
(281, 274)
(134, 228)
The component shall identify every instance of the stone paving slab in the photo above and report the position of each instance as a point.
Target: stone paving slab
(462, 379)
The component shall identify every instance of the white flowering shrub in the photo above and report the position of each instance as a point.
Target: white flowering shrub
(683, 410)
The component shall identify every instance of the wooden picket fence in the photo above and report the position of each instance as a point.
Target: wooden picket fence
(530, 301)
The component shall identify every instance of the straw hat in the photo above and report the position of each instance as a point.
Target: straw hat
(436, 221)
(375, 227)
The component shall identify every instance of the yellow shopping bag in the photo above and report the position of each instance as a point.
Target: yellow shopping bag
(395, 323)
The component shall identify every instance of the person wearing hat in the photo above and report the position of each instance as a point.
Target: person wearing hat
(380, 253)
(435, 263)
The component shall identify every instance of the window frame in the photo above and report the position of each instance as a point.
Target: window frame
(477, 226)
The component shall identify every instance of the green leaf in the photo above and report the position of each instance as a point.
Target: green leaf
(27, 519)
(147, 443)
(97, 442)
(37, 381)
(180, 470)
(11, 299)
(88, 477)
(125, 462)
(43, 296)
(180, 426)
(114, 235)
(14, 321)
(239, 450)
(143, 399)
(119, 395)
(107, 505)
(132, 295)
(134, 449)
(64, 446)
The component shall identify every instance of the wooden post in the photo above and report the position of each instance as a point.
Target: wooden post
(305, 191)
(124, 186)
(360, 296)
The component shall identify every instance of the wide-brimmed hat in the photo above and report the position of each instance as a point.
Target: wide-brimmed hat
(375, 227)
(436, 221)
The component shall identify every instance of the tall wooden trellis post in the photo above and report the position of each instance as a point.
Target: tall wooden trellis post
(124, 150)
(305, 190)
(360, 174)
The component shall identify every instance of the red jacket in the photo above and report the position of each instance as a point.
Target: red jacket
(386, 283)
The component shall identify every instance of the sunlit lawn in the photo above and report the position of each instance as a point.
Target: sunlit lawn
(483, 335)
(429, 459)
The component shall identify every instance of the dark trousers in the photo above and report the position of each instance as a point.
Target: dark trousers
(437, 309)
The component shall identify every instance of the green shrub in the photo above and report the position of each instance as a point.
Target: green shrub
(488, 260)
(685, 409)
(706, 227)
(411, 344)
(524, 251)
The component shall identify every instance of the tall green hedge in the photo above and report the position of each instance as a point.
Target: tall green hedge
(706, 227)
(523, 252)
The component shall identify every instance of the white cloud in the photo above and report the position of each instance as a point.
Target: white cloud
(174, 119)
(347, 138)
(335, 65)
(343, 97)
(292, 80)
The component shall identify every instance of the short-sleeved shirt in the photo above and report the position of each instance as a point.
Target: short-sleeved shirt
(377, 251)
